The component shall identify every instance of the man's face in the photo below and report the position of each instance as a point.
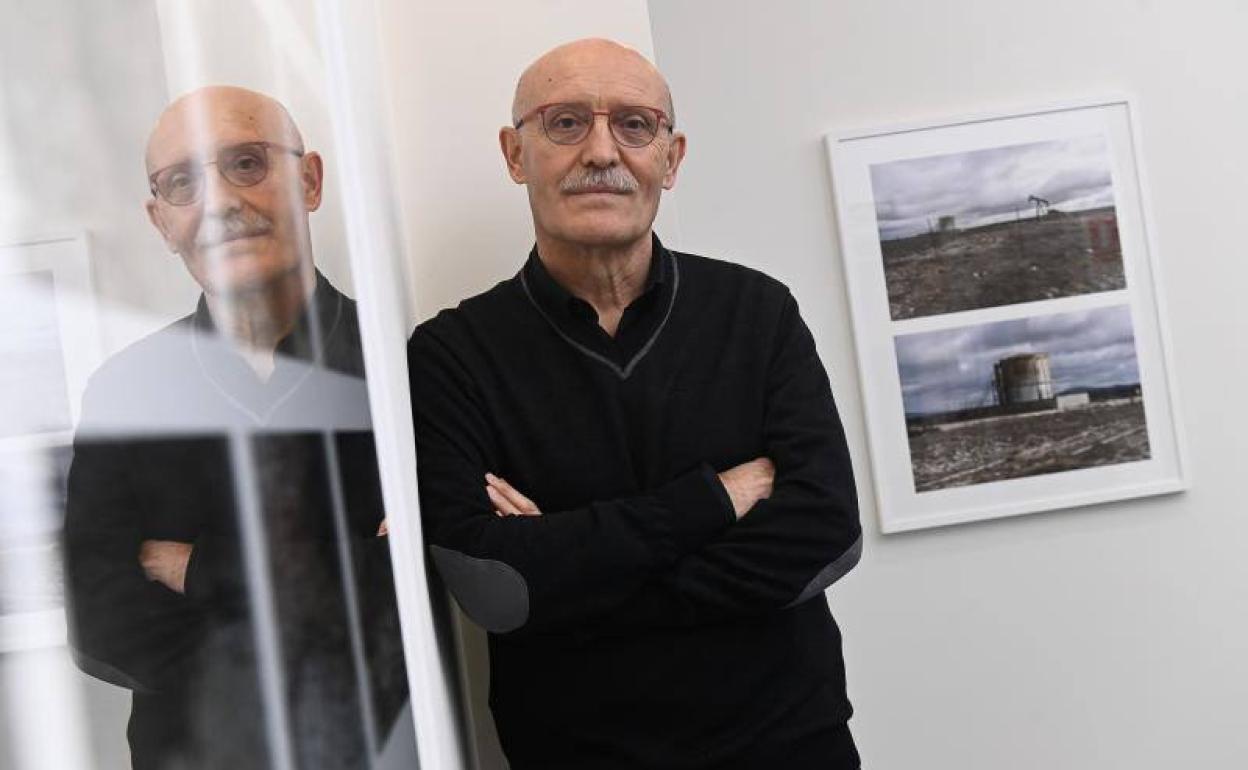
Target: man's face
(596, 192)
(235, 238)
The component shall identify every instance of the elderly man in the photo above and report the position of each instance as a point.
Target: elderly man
(223, 503)
(632, 471)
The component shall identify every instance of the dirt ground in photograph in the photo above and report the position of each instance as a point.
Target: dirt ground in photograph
(1014, 446)
(1058, 255)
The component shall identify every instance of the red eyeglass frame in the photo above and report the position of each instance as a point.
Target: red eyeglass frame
(540, 110)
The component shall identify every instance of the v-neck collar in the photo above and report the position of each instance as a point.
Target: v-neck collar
(298, 354)
(574, 320)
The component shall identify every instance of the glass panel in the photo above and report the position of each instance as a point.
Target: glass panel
(195, 565)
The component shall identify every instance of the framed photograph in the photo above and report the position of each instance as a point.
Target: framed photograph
(1007, 318)
(49, 344)
(48, 348)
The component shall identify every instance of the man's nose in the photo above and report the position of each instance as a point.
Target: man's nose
(599, 148)
(219, 194)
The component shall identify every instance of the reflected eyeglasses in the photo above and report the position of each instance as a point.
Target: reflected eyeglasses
(570, 123)
(242, 165)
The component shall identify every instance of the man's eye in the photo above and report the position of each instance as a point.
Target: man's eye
(637, 124)
(247, 163)
(565, 121)
(179, 180)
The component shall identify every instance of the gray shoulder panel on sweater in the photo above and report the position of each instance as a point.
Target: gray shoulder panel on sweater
(106, 673)
(831, 573)
(491, 593)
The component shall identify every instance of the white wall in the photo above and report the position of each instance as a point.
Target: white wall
(1106, 637)
(452, 68)
(75, 107)
(452, 71)
(71, 156)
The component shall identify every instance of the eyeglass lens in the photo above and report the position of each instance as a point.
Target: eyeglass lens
(243, 165)
(571, 123)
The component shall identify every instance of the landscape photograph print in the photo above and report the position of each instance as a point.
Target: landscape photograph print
(997, 226)
(1022, 397)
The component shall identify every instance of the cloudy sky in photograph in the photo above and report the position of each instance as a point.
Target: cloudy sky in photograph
(986, 186)
(952, 369)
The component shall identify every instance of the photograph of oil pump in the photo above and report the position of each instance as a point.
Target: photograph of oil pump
(997, 226)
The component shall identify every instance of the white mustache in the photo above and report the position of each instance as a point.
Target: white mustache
(243, 224)
(614, 179)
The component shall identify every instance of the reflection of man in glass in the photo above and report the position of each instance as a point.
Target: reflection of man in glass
(224, 511)
(631, 467)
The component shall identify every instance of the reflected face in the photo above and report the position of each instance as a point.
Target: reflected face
(238, 159)
(596, 192)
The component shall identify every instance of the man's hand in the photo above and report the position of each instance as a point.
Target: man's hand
(748, 483)
(507, 499)
(165, 561)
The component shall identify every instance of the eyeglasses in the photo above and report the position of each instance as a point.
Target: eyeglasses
(570, 123)
(242, 165)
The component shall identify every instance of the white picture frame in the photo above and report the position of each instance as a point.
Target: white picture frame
(51, 348)
(60, 266)
(1009, 329)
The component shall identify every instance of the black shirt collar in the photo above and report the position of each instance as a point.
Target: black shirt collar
(576, 320)
(562, 305)
(313, 330)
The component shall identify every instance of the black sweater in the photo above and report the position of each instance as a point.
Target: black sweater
(636, 623)
(157, 456)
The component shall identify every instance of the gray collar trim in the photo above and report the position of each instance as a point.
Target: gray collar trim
(623, 372)
(321, 341)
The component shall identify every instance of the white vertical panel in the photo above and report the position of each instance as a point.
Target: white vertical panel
(355, 80)
(47, 718)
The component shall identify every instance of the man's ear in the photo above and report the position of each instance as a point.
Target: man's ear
(153, 216)
(312, 178)
(509, 141)
(675, 154)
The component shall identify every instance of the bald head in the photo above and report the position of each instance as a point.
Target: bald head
(600, 191)
(242, 225)
(195, 119)
(586, 61)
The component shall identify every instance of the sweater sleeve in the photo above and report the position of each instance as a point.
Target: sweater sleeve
(790, 546)
(125, 629)
(531, 573)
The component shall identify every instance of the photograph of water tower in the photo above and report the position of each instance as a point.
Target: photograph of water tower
(1022, 397)
(997, 226)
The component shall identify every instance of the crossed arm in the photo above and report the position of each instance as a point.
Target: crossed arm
(745, 484)
(142, 608)
(127, 630)
(670, 556)
(166, 561)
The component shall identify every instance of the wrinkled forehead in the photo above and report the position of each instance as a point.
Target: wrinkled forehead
(198, 128)
(602, 79)
(607, 90)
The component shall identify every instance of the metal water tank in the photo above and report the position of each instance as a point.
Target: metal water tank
(1023, 378)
